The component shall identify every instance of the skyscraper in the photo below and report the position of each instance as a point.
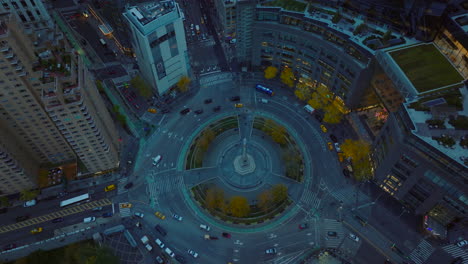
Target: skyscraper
(50, 112)
(159, 42)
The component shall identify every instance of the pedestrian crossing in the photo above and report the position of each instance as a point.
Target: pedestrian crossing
(215, 78)
(332, 225)
(310, 200)
(348, 195)
(456, 252)
(422, 252)
(121, 186)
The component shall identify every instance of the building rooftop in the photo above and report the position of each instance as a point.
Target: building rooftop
(426, 67)
(149, 11)
(291, 5)
(432, 122)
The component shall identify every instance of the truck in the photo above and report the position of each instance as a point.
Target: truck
(145, 241)
(309, 109)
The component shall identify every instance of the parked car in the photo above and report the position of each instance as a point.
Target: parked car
(205, 227)
(192, 253)
(128, 185)
(271, 251)
(217, 108)
(226, 235)
(333, 138)
(30, 203)
(177, 217)
(337, 147)
(57, 220)
(324, 129)
(159, 260)
(161, 230)
(208, 101)
(169, 252)
(303, 226)
(346, 173)
(330, 146)
(159, 243)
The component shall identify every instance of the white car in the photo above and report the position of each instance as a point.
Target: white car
(205, 227)
(157, 159)
(177, 217)
(354, 237)
(159, 243)
(193, 253)
(270, 251)
(138, 214)
(89, 219)
(169, 252)
(462, 243)
(337, 147)
(30, 203)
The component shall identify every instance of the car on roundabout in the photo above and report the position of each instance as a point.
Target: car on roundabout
(226, 235)
(160, 215)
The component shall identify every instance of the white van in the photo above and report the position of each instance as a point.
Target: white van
(159, 243)
(205, 227)
(148, 247)
(263, 100)
(89, 219)
(309, 109)
(169, 252)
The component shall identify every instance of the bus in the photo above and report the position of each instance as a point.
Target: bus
(264, 89)
(83, 197)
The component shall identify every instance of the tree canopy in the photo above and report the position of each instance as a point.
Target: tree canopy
(239, 206)
(183, 84)
(287, 77)
(270, 72)
(142, 87)
(359, 152)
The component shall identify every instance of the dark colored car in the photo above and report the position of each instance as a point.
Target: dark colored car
(217, 108)
(235, 98)
(226, 235)
(303, 226)
(3, 210)
(83, 42)
(208, 101)
(128, 185)
(57, 220)
(9, 246)
(180, 259)
(213, 238)
(333, 138)
(332, 233)
(22, 218)
(199, 111)
(185, 111)
(160, 230)
(108, 214)
(165, 111)
(346, 173)
(318, 117)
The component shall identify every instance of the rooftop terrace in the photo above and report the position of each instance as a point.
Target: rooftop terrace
(149, 11)
(426, 67)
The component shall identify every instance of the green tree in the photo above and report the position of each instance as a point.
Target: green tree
(4, 201)
(142, 87)
(279, 193)
(95, 254)
(239, 206)
(332, 114)
(183, 84)
(270, 72)
(268, 126)
(26, 195)
(265, 200)
(287, 77)
(99, 86)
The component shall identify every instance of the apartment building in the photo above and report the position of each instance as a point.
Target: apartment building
(50, 112)
(158, 38)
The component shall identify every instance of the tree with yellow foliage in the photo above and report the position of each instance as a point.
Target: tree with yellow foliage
(183, 84)
(279, 193)
(287, 77)
(333, 115)
(278, 134)
(359, 152)
(265, 200)
(239, 206)
(270, 72)
(303, 89)
(214, 198)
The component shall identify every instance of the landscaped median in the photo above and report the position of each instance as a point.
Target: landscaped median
(236, 209)
(203, 140)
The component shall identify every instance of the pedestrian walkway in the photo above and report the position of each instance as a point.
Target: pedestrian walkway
(310, 200)
(124, 211)
(121, 186)
(65, 212)
(332, 225)
(421, 252)
(215, 78)
(456, 252)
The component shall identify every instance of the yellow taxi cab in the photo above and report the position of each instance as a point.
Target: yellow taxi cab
(152, 110)
(330, 146)
(239, 105)
(340, 156)
(110, 188)
(160, 215)
(36, 230)
(324, 129)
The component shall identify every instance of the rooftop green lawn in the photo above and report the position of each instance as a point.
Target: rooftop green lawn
(291, 5)
(426, 67)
